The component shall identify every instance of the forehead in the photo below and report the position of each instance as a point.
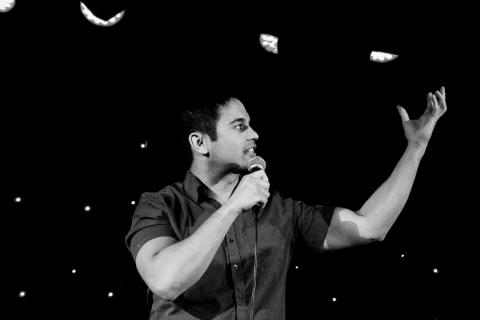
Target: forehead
(234, 109)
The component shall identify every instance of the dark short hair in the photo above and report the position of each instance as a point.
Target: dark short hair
(202, 114)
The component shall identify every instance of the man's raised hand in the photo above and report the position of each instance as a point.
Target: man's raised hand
(419, 131)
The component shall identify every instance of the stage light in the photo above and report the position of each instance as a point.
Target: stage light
(6, 5)
(334, 299)
(269, 43)
(97, 21)
(382, 57)
(110, 294)
(296, 267)
(144, 145)
(435, 270)
(18, 199)
(133, 202)
(74, 271)
(22, 294)
(403, 255)
(87, 208)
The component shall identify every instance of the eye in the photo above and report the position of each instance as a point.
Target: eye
(239, 126)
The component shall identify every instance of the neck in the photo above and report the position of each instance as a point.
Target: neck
(220, 182)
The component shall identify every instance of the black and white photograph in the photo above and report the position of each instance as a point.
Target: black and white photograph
(238, 161)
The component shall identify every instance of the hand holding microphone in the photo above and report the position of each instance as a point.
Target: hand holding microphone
(253, 189)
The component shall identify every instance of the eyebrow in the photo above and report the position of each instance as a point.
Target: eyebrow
(237, 120)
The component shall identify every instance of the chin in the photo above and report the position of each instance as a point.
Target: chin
(238, 168)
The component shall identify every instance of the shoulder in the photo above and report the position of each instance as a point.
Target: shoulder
(284, 197)
(162, 198)
(284, 201)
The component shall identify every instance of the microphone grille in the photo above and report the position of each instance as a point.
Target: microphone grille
(256, 163)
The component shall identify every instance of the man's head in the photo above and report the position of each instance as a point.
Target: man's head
(219, 133)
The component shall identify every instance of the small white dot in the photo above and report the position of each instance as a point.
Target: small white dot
(18, 199)
(403, 255)
(110, 294)
(296, 267)
(133, 202)
(435, 270)
(144, 145)
(334, 299)
(74, 271)
(87, 208)
(22, 294)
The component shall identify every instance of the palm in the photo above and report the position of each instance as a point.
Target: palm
(419, 131)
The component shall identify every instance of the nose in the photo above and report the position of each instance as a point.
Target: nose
(253, 134)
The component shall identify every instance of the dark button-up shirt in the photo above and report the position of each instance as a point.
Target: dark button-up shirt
(224, 290)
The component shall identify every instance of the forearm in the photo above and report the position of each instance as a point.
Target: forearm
(386, 203)
(182, 264)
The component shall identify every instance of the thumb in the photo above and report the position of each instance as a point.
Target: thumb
(403, 113)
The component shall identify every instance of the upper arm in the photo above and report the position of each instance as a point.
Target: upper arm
(144, 258)
(347, 229)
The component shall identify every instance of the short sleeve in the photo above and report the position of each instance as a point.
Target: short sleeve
(150, 220)
(312, 223)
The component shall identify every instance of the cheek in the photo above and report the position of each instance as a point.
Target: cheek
(229, 149)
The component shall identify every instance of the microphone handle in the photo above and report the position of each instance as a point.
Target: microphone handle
(256, 210)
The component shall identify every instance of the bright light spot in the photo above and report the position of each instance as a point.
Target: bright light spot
(334, 299)
(296, 267)
(110, 294)
(18, 199)
(133, 202)
(22, 294)
(403, 255)
(97, 21)
(87, 208)
(143, 146)
(382, 57)
(74, 271)
(435, 270)
(269, 43)
(6, 5)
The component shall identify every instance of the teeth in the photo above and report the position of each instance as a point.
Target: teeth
(250, 150)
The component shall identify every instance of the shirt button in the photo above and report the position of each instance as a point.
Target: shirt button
(235, 267)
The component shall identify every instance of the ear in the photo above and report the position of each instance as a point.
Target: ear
(199, 142)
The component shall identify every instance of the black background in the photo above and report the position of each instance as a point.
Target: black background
(77, 101)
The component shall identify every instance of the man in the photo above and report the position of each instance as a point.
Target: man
(195, 243)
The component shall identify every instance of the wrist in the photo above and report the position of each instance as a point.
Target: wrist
(231, 208)
(417, 149)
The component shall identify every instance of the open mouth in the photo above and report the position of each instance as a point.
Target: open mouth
(250, 151)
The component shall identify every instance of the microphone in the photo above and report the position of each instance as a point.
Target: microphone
(254, 164)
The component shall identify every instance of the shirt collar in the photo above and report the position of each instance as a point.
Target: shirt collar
(195, 188)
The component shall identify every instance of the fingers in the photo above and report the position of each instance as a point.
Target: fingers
(441, 99)
(260, 174)
(430, 106)
(435, 103)
(262, 179)
(439, 105)
(264, 198)
(403, 113)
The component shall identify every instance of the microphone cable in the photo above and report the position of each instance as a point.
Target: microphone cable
(252, 300)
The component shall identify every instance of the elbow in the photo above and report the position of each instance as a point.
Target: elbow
(376, 236)
(382, 236)
(165, 292)
(379, 236)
